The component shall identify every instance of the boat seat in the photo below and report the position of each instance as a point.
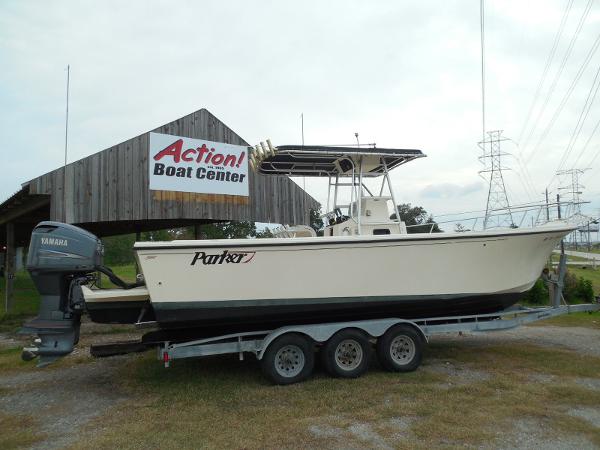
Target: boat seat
(137, 294)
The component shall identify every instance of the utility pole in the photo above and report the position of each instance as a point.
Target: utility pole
(66, 146)
(302, 125)
(497, 200)
(588, 236)
(562, 264)
(547, 207)
(562, 241)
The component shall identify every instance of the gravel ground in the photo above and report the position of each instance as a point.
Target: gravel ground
(65, 399)
(582, 340)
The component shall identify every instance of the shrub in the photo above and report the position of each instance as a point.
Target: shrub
(584, 290)
(570, 287)
(538, 294)
(577, 289)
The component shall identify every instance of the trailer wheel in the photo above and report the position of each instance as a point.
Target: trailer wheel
(346, 354)
(289, 359)
(400, 349)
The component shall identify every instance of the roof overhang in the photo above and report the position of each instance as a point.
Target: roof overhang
(21, 203)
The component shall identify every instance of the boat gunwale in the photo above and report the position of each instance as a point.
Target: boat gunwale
(344, 240)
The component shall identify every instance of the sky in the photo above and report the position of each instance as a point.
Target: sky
(401, 74)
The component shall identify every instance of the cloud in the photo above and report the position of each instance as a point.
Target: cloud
(450, 190)
(402, 74)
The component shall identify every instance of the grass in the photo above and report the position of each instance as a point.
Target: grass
(556, 258)
(10, 361)
(26, 295)
(585, 250)
(27, 299)
(224, 403)
(578, 319)
(17, 431)
(590, 274)
(126, 272)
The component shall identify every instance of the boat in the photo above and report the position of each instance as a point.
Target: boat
(366, 265)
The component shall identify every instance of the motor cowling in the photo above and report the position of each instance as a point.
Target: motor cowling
(61, 257)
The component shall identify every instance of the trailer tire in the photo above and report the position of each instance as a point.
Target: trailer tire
(400, 349)
(289, 359)
(347, 354)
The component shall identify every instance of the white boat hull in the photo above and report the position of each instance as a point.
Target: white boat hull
(206, 283)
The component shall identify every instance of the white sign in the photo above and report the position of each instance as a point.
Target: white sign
(194, 165)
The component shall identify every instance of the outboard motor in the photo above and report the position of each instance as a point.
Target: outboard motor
(61, 258)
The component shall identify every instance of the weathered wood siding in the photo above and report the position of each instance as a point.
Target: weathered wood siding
(112, 185)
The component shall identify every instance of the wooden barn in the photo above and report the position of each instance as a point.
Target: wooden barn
(108, 192)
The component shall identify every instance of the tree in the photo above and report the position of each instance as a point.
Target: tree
(217, 230)
(118, 250)
(417, 219)
(266, 233)
(460, 228)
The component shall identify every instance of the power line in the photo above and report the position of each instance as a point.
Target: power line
(482, 35)
(526, 179)
(547, 67)
(597, 152)
(517, 207)
(528, 184)
(565, 98)
(558, 73)
(589, 101)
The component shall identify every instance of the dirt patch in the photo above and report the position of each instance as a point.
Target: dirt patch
(589, 383)
(456, 375)
(360, 435)
(590, 415)
(67, 395)
(10, 341)
(535, 434)
(62, 400)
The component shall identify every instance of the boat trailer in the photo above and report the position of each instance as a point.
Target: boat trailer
(287, 353)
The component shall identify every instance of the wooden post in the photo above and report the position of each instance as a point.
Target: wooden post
(138, 237)
(9, 269)
(196, 231)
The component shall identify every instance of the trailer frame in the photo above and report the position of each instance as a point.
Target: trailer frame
(257, 342)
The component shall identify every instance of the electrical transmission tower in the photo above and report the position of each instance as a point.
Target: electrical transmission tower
(573, 190)
(573, 196)
(497, 210)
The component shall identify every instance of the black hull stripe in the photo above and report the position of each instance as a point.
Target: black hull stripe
(300, 302)
(189, 323)
(185, 321)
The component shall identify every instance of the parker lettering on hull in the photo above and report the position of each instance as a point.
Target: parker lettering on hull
(225, 257)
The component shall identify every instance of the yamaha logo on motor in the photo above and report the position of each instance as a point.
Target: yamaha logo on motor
(54, 241)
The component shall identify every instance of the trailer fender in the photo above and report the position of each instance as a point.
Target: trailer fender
(322, 332)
